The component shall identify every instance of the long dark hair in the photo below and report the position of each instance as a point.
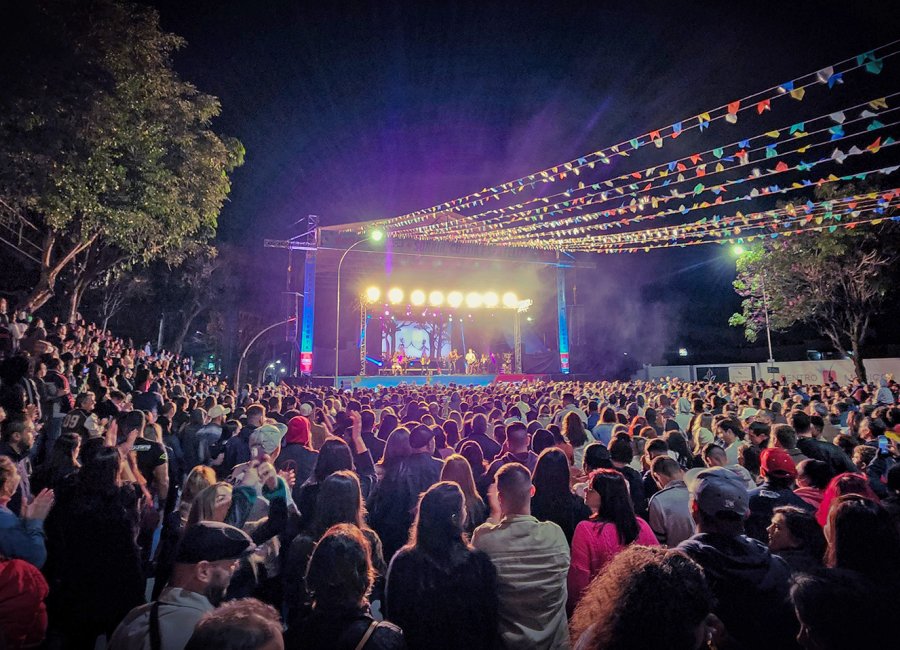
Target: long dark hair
(438, 528)
(615, 504)
(862, 538)
(340, 571)
(339, 502)
(334, 456)
(60, 463)
(101, 474)
(388, 423)
(552, 496)
(573, 429)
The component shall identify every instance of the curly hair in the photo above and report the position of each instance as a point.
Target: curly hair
(613, 610)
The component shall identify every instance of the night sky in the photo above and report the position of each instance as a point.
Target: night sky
(356, 111)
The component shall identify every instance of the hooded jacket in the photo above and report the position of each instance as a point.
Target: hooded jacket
(751, 589)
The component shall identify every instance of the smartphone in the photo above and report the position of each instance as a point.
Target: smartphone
(883, 445)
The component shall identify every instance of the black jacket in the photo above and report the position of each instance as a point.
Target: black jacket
(342, 630)
(443, 605)
(751, 589)
(763, 501)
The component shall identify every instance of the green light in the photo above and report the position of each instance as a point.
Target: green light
(376, 235)
(737, 250)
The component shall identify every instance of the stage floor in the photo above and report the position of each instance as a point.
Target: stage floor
(434, 380)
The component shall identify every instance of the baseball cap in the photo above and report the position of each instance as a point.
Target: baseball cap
(306, 409)
(218, 411)
(420, 436)
(212, 541)
(268, 436)
(717, 489)
(775, 461)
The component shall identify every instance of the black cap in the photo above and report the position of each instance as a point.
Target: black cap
(420, 436)
(211, 541)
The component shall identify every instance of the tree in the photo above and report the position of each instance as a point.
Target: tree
(102, 145)
(834, 280)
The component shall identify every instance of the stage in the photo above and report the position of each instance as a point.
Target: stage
(359, 381)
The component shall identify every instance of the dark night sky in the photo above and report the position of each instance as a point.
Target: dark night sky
(361, 110)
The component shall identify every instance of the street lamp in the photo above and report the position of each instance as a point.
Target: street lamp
(737, 250)
(374, 236)
(237, 373)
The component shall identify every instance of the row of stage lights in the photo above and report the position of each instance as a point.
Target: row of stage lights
(454, 299)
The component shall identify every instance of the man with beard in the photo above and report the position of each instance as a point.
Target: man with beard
(16, 440)
(206, 559)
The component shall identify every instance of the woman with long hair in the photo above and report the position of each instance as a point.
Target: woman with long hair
(386, 426)
(600, 538)
(796, 536)
(340, 502)
(667, 586)
(678, 444)
(61, 464)
(94, 564)
(574, 431)
(472, 452)
(339, 577)
(862, 538)
(840, 485)
(440, 591)
(553, 499)
(457, 470)
(396, 448)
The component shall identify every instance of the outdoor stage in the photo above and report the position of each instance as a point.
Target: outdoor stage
(360, 381)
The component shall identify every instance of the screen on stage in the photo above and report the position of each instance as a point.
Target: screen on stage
(413, 340)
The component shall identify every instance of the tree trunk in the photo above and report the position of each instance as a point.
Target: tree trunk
(75, 298)
(50, 271)
(178, 343)
(858, 360)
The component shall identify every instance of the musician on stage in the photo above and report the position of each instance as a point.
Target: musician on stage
(397, 364)
(454, 358)
(425, 361)
(471, 359)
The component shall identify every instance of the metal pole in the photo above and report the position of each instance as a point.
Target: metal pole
(237, 373)
(766, 312)
(337, 331)
(363, 312)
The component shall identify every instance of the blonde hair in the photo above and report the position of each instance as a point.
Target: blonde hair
(457, 470)
(203, 507)
(199, 478)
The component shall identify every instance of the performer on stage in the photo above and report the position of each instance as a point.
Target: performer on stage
(425, 361)
(397, 364)
(453, 358)
(471, 359)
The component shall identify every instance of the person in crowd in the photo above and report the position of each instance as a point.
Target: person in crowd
(203, 565)
(714, 456)
(574, 431)
(785, 437)
(846, 483)
(242, 624)
(16, 440)
(654, 448)
(613, 527)
(730, 432)
(778, 474)
(296, 455)
(339, 502)
(862, 538)
(820, 602)
(621, 455)
(602, 431)
(199, 478)
(206, 437)
(61, 464)
(813, 477)
(237, 449)
(471, 451)
(532, 561)
(339, 578)
(810, 447)
(440, 591)
(396, 449)
(457, 469)
(743, 574)
(670, 513)
(613, 612)
(795, 535)
(518, 451)
(553, 499)
(490, 448)
(22, 538)
(421, 465)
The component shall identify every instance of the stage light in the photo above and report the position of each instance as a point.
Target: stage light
(373, 294)
(436, 298)
(455, 299)
(510, 300)
(395, 296)
(491, 299)
(376, 235)
(474, 300)
(417, 297)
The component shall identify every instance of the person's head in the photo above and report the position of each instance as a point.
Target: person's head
(211, 504)
(517, 437)
(840, 485)
(862, 537)
(457, 470)
(719, 502)
(758, 433)
(541, 440)
(641, 582)
(256, 413)
(777, 467)
(197, 480)
(729, 431)
(714, 455)
(514, 489)
(65, 450)
(339, 502)
(472, 452)
(206, 558)
(388, 423)
(573, 429)
(102, 473)
(820, 602)
(551, 475)
(242, 624)
(793, 529)
(621, 452)
(664, 470)
(334, 455)
(607, 496)
(800, 422)
(9, 479)
(130, 427)
(340, 571)
(440, 519)
(18, 433)
(784, 436)
(421, 439)
(813, 473)
(863, 455)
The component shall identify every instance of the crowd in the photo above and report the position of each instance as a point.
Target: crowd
(156, 508)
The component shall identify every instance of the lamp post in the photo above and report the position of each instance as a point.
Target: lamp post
(374, 236)
(237, 373)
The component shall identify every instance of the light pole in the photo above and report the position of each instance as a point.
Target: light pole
(237, 373)
(374, 236)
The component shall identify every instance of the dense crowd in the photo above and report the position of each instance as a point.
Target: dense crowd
(157, 507)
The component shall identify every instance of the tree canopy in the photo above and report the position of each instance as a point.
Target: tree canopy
(101, 143)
